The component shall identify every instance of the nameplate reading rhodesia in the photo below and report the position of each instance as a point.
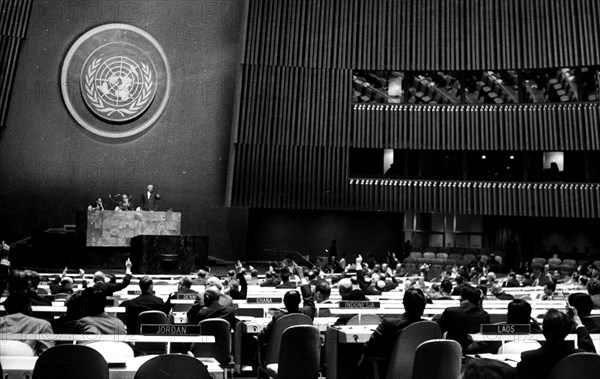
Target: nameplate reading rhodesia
(264, 300)
(506, 329)
(359, 304)
(187, 296)
(170, 330)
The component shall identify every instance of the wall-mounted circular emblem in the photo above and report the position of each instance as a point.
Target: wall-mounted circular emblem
(116, 80)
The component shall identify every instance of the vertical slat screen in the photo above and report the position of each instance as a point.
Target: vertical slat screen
(14, 18)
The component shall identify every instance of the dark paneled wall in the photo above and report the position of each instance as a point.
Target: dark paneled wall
(50, 166)
(296, 122)
(424, 34)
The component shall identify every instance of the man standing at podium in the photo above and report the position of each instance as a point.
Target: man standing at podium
(149, 199)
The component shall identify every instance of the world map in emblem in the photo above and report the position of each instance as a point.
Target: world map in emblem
(115, 81)
(118, 87)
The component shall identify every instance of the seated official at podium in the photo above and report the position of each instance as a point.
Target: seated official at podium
(97, 206)
(125, 204)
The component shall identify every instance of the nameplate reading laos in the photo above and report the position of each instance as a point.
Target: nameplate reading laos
(170, 330)
(494, 329)
(360, 304)
(264, 300)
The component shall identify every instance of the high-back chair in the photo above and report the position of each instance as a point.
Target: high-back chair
(298, 354)
(403, 355)
(221, 349)
(437, 359)
(150, 317)
(15, 349)
(112, 351)
(578, 365)
(284, 322)
(171, 366)
(70, 362)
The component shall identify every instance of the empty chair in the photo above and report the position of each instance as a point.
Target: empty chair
(403, 355)
(578, 365)
(221, 349)
(272, 353)
(517, 347)
(442, 256)
(416, 255)
(112, 351)
(171, 366)
(15, 349)
(364, 319)
(298, 354)
(429, 255)
(150, 317)
(70, 362)
(446, 364)
(553, 263)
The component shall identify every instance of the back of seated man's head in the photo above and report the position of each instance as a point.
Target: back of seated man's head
(345, 287)
(312, 274)
(285, 276)
(254, 273)
(556, 326)
(93, 301)
(231, 273)
(66, 281)
(582, 302)
(324, 289)
(496, 289)
(414, 302)
(18, 303)
(185, 282)
(335, 280)
(593, 287)
(145, 283)
(518, 312)
(459, 280)
(99, 277)
(202, 274)
(291, 300)
(211, 295)
(268, 275)
(446, 285)
(214, 282)
(33, 278)
(356, 295)
(112, 278)
(470, 294)
(18, 282)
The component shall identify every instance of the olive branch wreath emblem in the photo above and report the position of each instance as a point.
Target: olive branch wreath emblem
(99, 105)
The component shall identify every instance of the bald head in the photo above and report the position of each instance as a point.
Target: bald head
(99, 276)
(345, 287)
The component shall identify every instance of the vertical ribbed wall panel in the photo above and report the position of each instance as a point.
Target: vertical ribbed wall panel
(14, 18)
(424, 34)
(546, 127)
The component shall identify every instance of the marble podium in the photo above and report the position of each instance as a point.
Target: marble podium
(117, 228)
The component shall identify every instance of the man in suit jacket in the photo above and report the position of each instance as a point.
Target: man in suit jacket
(211, 309)
(537, 364)
(465, 319)
(291, 300)
(583, 303)
(109, 288)
(145, 302)
(379, 347)
(97, 321)
(148, 199)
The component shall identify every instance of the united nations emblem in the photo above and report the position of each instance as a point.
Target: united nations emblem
(116, 81)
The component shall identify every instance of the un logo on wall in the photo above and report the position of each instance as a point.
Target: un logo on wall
(116, 81)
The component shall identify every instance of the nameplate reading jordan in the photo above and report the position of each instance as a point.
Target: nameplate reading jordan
(506, 329)
(360, 304)
(264, 300)
(170, 330)
(186, 296)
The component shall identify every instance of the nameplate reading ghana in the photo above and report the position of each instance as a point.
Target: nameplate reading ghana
(187, 296)
(170, 330)
(360, 304)
(506, 329)
(264, 300)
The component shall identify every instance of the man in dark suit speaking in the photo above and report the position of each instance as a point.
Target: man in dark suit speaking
(148, 199)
